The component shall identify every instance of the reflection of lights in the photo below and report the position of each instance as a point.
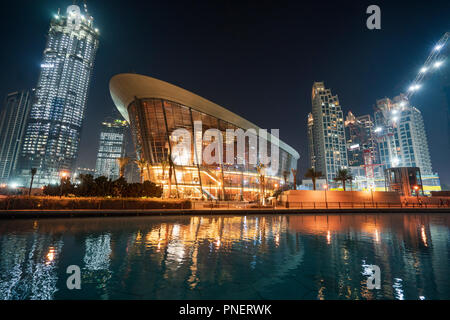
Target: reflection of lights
(51, 255)
(377, 236)
(398, 289)
(423, 236)
(328, 237)
(277, 239)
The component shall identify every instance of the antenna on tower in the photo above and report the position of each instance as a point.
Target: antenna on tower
(85, 7)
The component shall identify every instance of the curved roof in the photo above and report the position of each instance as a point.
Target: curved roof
(126, 87)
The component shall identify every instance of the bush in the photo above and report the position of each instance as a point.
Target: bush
(103, 187)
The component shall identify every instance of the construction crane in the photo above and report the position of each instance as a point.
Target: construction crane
(433, 62)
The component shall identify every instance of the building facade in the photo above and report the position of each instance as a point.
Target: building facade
(111, 148)
(326, 133)
(157, 110)
(401, 134)
(402, 139)
(12, 128)
(52, 135)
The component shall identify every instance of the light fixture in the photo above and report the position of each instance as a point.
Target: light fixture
(437, 64)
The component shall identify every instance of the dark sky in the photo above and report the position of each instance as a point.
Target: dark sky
(259, 59)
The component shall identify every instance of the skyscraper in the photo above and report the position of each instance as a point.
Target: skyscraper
(327, 141)
(360, 139)
(53, 132)
(12, 127)
(401, 134)
(111, 148)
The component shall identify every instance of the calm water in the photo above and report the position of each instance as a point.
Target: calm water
(253, 257)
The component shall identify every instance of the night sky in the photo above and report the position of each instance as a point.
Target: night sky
(258, 59)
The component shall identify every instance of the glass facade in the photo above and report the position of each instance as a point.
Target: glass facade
(53, 132)
(327, 143)
(12, 127)
(152, 123)
(111, 148)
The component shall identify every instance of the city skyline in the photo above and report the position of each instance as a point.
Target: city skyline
(298, 107)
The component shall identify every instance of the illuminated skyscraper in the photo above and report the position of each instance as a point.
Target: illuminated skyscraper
(53, 132)
(12, 127)
(327, 142)
(111, 148)
(402, 137)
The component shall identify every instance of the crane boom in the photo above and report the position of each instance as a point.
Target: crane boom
(433, 61)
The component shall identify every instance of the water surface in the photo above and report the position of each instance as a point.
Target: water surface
(226, 257)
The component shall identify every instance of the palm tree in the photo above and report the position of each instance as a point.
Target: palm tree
(313, 175)
(123, 162)
(342, 176)
(148, 164)
(262, 180)
(294, 172)
(142, 164)
(164, 165)
(285, 177)
(33, 173)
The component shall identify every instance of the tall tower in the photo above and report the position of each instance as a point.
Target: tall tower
(111, 148)
(401, 135)
(326, 127)
(12, 127)
(53, 132)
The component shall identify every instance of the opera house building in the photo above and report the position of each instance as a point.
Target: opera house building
(156, 109)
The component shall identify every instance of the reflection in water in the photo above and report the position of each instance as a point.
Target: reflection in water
(225, 257)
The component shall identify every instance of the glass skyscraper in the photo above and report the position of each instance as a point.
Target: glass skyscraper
(402, 139)
(12, 127)
(111, 148)
(327, 143)
(52, 135)
(402, 136)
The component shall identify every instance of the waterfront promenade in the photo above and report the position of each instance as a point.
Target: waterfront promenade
(40, 214)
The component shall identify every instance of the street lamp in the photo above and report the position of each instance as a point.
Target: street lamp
(325, 187)
(63, 175)
(416, 189)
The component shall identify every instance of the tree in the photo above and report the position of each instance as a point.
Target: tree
(294, 172)
(342, 176)
(262, 180)
(142, 164)
(313, 175)
(123, 162)
(33, 173)
(285, 177)
(86, 186)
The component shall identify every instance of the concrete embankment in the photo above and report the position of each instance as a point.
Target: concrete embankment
(41, 214)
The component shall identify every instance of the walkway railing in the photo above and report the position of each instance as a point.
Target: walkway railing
(218, 205)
